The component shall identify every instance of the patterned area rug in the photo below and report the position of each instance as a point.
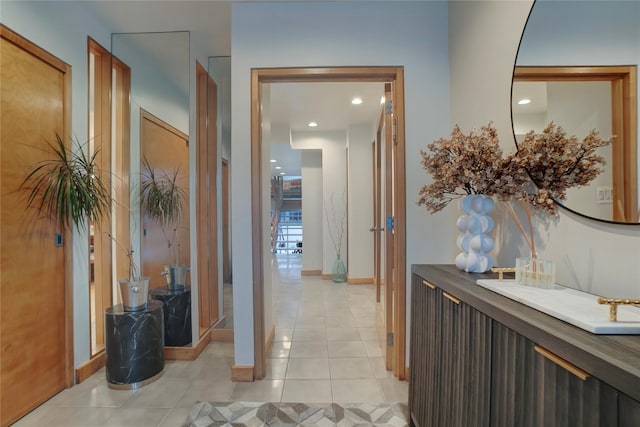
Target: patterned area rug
(254, 414)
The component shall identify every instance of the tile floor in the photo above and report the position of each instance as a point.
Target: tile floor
(325, 350)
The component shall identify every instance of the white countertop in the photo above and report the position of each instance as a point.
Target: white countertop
(572, 306)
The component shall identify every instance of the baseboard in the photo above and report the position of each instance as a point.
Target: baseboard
(222, 335)
(311, 273)
(241, 373)
(90, 367)
(269, 341)
(406, 373)
(188, 353)
(326, 276)
(360, 281)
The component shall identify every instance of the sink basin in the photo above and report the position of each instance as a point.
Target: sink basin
(572, 306)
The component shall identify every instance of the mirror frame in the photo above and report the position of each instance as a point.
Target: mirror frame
(624, 122)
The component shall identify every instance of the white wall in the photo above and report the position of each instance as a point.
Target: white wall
(360, 202)
(597, 257)
(579, 107)
(334, 184)
(272, 34)
(312, 213)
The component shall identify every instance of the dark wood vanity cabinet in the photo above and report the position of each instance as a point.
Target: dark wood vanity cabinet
(452, 345)
(479, 359)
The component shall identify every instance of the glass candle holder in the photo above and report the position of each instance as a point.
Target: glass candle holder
(535, 272)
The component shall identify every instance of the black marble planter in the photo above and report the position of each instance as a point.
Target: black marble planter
(134, 345)
(177, 314)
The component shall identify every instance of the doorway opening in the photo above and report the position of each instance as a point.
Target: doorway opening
(395, 234)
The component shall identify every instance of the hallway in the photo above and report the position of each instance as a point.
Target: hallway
(325, 350)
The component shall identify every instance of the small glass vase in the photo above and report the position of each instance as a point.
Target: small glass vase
(339, 271)
(536, 272)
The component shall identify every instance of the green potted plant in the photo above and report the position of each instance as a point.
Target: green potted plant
(69, 187)
(162, 200)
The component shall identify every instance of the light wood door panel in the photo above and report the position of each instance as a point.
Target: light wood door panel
(34, 334)
(166, 149)
(212, 214)
(207, 215)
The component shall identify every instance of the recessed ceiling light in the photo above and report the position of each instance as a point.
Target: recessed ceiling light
(278, 167)
(382, 100)
(312, 124)
(282, 173)
(273, 160)
(524, 101)
(356, 101)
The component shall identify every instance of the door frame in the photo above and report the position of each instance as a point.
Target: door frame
(383, 74)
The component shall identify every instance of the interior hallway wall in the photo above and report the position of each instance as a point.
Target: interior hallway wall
(334, 184)
(397, 33)
(589, 255)
(312, 217)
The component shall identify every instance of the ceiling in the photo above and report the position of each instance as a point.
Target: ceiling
(329, 105)
(209, 24)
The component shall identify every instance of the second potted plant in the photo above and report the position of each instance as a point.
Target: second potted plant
(163, 201)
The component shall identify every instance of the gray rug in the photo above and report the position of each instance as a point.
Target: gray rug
(254, 414)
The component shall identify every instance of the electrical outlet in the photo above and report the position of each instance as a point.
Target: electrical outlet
(604, 194)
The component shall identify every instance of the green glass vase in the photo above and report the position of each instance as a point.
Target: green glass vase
(339, 271)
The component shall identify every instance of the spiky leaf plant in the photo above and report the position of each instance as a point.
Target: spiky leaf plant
(162, 201)
(69, 187)
(162, 198)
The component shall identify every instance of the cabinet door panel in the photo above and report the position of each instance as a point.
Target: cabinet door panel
(531, 390)
(628, 410)
(512, 387)
(450, 361)
(425, 354)
(569, 400)
(475, 356)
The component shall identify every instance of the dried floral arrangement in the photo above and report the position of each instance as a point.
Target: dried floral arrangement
(473, 164)
(555, 162)
(467, 164)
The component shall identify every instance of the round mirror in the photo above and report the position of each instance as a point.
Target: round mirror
(577, 67)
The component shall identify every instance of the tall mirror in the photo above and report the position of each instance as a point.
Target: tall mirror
(159, 140)
(577, 66)
(219, 75)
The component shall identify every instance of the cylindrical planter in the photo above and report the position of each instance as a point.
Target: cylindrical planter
(134, 294)
(339, 271)
(176, 276)
(474, 241)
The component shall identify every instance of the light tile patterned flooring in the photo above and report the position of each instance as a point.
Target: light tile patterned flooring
(325, 350)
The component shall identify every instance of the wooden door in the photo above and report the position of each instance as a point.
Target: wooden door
(378, 233)
(207, 217)
(388, 207)
(35, 315)
(166, 149)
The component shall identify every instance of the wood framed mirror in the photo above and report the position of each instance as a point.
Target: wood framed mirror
(581, 99)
